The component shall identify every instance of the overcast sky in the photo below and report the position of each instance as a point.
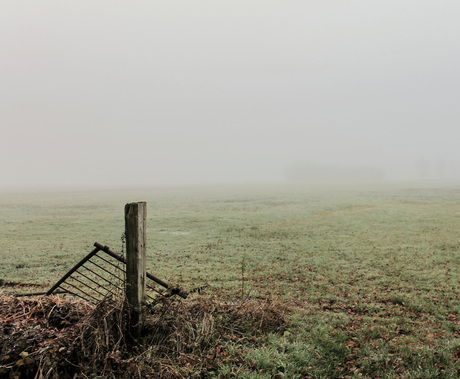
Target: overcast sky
(167, 92)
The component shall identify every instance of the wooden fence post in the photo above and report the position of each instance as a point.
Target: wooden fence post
(135, 229)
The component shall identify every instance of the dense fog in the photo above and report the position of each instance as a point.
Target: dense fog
(172, 92)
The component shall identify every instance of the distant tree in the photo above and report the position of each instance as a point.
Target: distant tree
(453, 169)
(440, 167)
(423, 167)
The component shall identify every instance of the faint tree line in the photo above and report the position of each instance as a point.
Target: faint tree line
(438, 168)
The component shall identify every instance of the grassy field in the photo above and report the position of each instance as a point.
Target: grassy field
(370, 274)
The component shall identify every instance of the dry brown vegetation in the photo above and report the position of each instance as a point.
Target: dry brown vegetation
(51, 337)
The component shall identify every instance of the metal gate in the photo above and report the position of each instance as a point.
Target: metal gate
(102, 275)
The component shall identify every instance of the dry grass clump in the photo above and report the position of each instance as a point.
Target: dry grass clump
(34, 333)
(192, 335)
(59, 338)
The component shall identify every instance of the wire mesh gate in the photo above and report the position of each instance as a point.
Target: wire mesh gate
(102, 275)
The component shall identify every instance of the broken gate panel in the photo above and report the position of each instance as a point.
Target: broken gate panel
(101, 275)
(94, 278)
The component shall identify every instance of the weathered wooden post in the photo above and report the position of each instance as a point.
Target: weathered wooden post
(135, 230)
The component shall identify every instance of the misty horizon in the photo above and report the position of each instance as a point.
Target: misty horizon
(172, 93)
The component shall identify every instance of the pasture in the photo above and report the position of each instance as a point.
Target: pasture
(370, 275)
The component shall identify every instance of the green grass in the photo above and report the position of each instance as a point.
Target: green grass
(371, 275)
